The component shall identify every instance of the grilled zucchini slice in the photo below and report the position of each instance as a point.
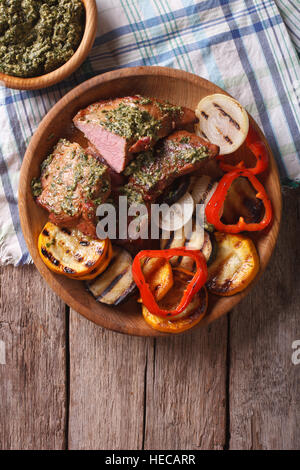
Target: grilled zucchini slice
(185, 321)
(116, 283)
(235, 266)
(102, 266)
(68, 251)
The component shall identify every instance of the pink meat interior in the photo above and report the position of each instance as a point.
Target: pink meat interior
(111, 146)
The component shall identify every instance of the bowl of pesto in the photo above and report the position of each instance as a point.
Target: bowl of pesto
(42, 42)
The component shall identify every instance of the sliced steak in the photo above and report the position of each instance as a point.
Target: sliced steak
(122, 127)
(73, 183)
(180, 153)
(117, 179)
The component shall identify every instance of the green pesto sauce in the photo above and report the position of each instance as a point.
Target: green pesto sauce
(36, 187)
(133, 196)
(130, 122)
(169, 108)
(38, 36)
(134, 122)
(144, 100)
(148, 168)
(185, 140)
(88, 172)
(140, 164)
(165, 107)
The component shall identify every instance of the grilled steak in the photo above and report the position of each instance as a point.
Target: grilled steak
(72, 185)
(122, 127)
(180, 153)
(117, 179)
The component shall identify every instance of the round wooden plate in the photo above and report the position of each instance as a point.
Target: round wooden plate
(176, 86)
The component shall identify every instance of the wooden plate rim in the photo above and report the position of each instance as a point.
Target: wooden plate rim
(53, 280)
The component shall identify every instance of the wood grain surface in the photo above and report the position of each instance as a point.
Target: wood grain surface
(264, 383)
(33, 367)
(186, 390)
(106, 406)
(67, 383)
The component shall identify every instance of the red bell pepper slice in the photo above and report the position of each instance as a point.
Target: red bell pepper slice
(193, 287)
(257, 147)
(214, 208)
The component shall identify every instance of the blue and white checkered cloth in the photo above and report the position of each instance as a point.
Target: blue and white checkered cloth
(247, 47)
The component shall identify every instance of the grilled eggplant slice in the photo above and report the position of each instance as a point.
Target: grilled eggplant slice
(210, 247)
(115, 284)
(235, 266)
(68, 251)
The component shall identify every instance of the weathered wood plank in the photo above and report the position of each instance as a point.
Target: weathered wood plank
(107, 386)
(33, 372)
(264, 383)
(186, 390)
(185, 393)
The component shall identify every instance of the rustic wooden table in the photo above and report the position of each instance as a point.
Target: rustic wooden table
(66, 383)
